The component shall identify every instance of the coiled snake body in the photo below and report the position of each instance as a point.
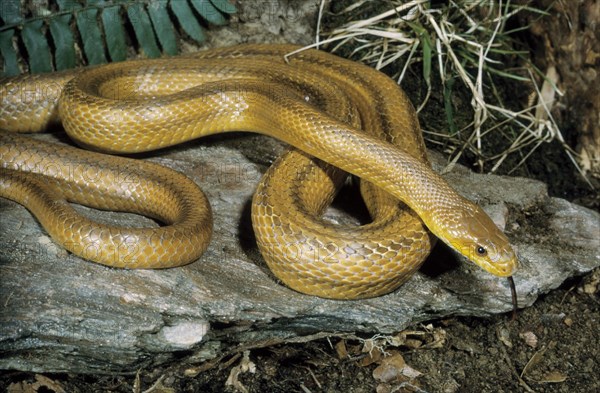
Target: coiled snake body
(347, 115)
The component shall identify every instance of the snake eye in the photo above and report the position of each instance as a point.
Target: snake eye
(481, 251)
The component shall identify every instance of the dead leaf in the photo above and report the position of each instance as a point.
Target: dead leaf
(390, 368)
(591, 284)
(413, 343)
(397, 340)
(535, 359)
(530, 339)
(439, 338)
(372, 357)
(553, 377)
(368, 345)
(341, 350)
(590, 288)
(20, 387)
(383, 388)
(33, 387)
(504, 336)
(410, 372)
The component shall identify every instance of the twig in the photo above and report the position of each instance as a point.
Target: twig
(514, 371)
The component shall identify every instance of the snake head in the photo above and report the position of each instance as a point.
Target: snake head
(474, 235)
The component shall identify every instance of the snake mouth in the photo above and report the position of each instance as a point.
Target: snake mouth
(505, 265)
(505, 270)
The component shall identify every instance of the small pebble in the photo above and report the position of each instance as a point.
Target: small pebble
(568, 321)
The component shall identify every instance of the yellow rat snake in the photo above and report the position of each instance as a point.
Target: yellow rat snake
(334, 112)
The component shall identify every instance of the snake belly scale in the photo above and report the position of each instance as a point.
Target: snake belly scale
(340, 117)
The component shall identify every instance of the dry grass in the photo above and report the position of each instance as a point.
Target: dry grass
(462, 41)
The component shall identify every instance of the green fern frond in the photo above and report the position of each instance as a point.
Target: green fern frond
(102, 30)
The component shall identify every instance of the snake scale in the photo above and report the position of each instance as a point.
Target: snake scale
(340, 117)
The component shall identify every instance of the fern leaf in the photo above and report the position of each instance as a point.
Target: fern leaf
(64, 43)
(9, 54)
(10, 12)
(209, 12)
(40, 59)
(87, 24)
(96, 27)
(114, 33)
(143, 29)
(185, 15)
(159, 14)
(224, 6)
